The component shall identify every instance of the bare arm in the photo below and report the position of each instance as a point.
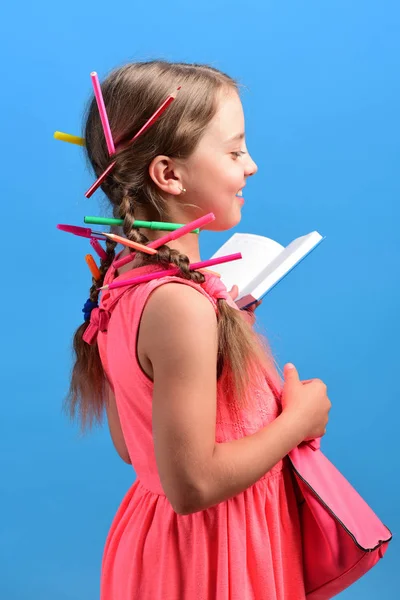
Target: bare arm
(178, 335)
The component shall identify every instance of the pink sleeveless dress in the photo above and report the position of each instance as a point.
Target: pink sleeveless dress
(246, 548)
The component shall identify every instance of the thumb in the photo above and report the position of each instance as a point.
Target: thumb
(234, 292)
(290, 373)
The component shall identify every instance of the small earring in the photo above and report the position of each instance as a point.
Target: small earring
(183, 190)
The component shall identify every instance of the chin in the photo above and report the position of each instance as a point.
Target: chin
(225, 222)
(233, 220)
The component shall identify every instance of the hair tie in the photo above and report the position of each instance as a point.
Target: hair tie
(88, 307)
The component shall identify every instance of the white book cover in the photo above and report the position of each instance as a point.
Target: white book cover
(264, 263)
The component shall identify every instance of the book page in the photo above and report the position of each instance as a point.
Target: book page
(281, 265)
(257, 252)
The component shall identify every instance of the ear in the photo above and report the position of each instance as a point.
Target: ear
(166, 175)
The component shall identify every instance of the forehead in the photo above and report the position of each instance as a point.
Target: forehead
(229, 118)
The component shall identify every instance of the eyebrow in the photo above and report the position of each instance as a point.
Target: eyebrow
(235, 138)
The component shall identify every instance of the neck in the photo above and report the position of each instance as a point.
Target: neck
(187, 244)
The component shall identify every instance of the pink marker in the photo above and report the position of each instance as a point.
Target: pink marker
(148, 124)
(170, 272)
(82, 231)
(98, 249)
(121, 262)
(173, 235)
(103, 113)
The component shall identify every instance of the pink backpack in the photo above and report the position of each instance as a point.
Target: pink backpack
(342, 536)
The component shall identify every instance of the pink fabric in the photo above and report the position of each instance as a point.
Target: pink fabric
(217, 290)
(342, 537)
(98, 322)
(247, 548)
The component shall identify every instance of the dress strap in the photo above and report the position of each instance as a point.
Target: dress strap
(212, 287)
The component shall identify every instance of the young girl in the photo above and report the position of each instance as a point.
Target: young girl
(192, 397)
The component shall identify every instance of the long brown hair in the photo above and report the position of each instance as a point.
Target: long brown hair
(132, 93)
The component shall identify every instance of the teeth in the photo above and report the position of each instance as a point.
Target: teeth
(240, 193)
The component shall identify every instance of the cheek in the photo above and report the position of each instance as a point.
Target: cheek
(234, 176)
(204, 173)
(229, 174)
(216, 174)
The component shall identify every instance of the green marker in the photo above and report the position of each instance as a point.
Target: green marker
(137, 224)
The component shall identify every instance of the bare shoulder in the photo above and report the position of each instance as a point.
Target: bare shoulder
(175, 316)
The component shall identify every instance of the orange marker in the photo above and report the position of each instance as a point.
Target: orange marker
(93, 267)
(126, 242)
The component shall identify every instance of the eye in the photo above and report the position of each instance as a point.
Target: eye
(238, 154)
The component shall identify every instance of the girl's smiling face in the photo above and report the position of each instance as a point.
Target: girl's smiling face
(218, 168)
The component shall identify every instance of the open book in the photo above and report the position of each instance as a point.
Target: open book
(264, 263)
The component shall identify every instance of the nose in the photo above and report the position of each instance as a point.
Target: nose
(251, 167)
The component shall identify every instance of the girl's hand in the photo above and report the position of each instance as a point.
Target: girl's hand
(248, 313)
(308, 403)
(234, 292)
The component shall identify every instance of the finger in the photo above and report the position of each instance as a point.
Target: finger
(290, 373)
(234, 292)
(253, 307)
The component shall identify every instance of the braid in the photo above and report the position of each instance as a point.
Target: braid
(126, 213)
(88, 379)
(104, 266)
(165, 255)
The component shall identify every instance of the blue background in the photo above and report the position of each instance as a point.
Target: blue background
(322, 106)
